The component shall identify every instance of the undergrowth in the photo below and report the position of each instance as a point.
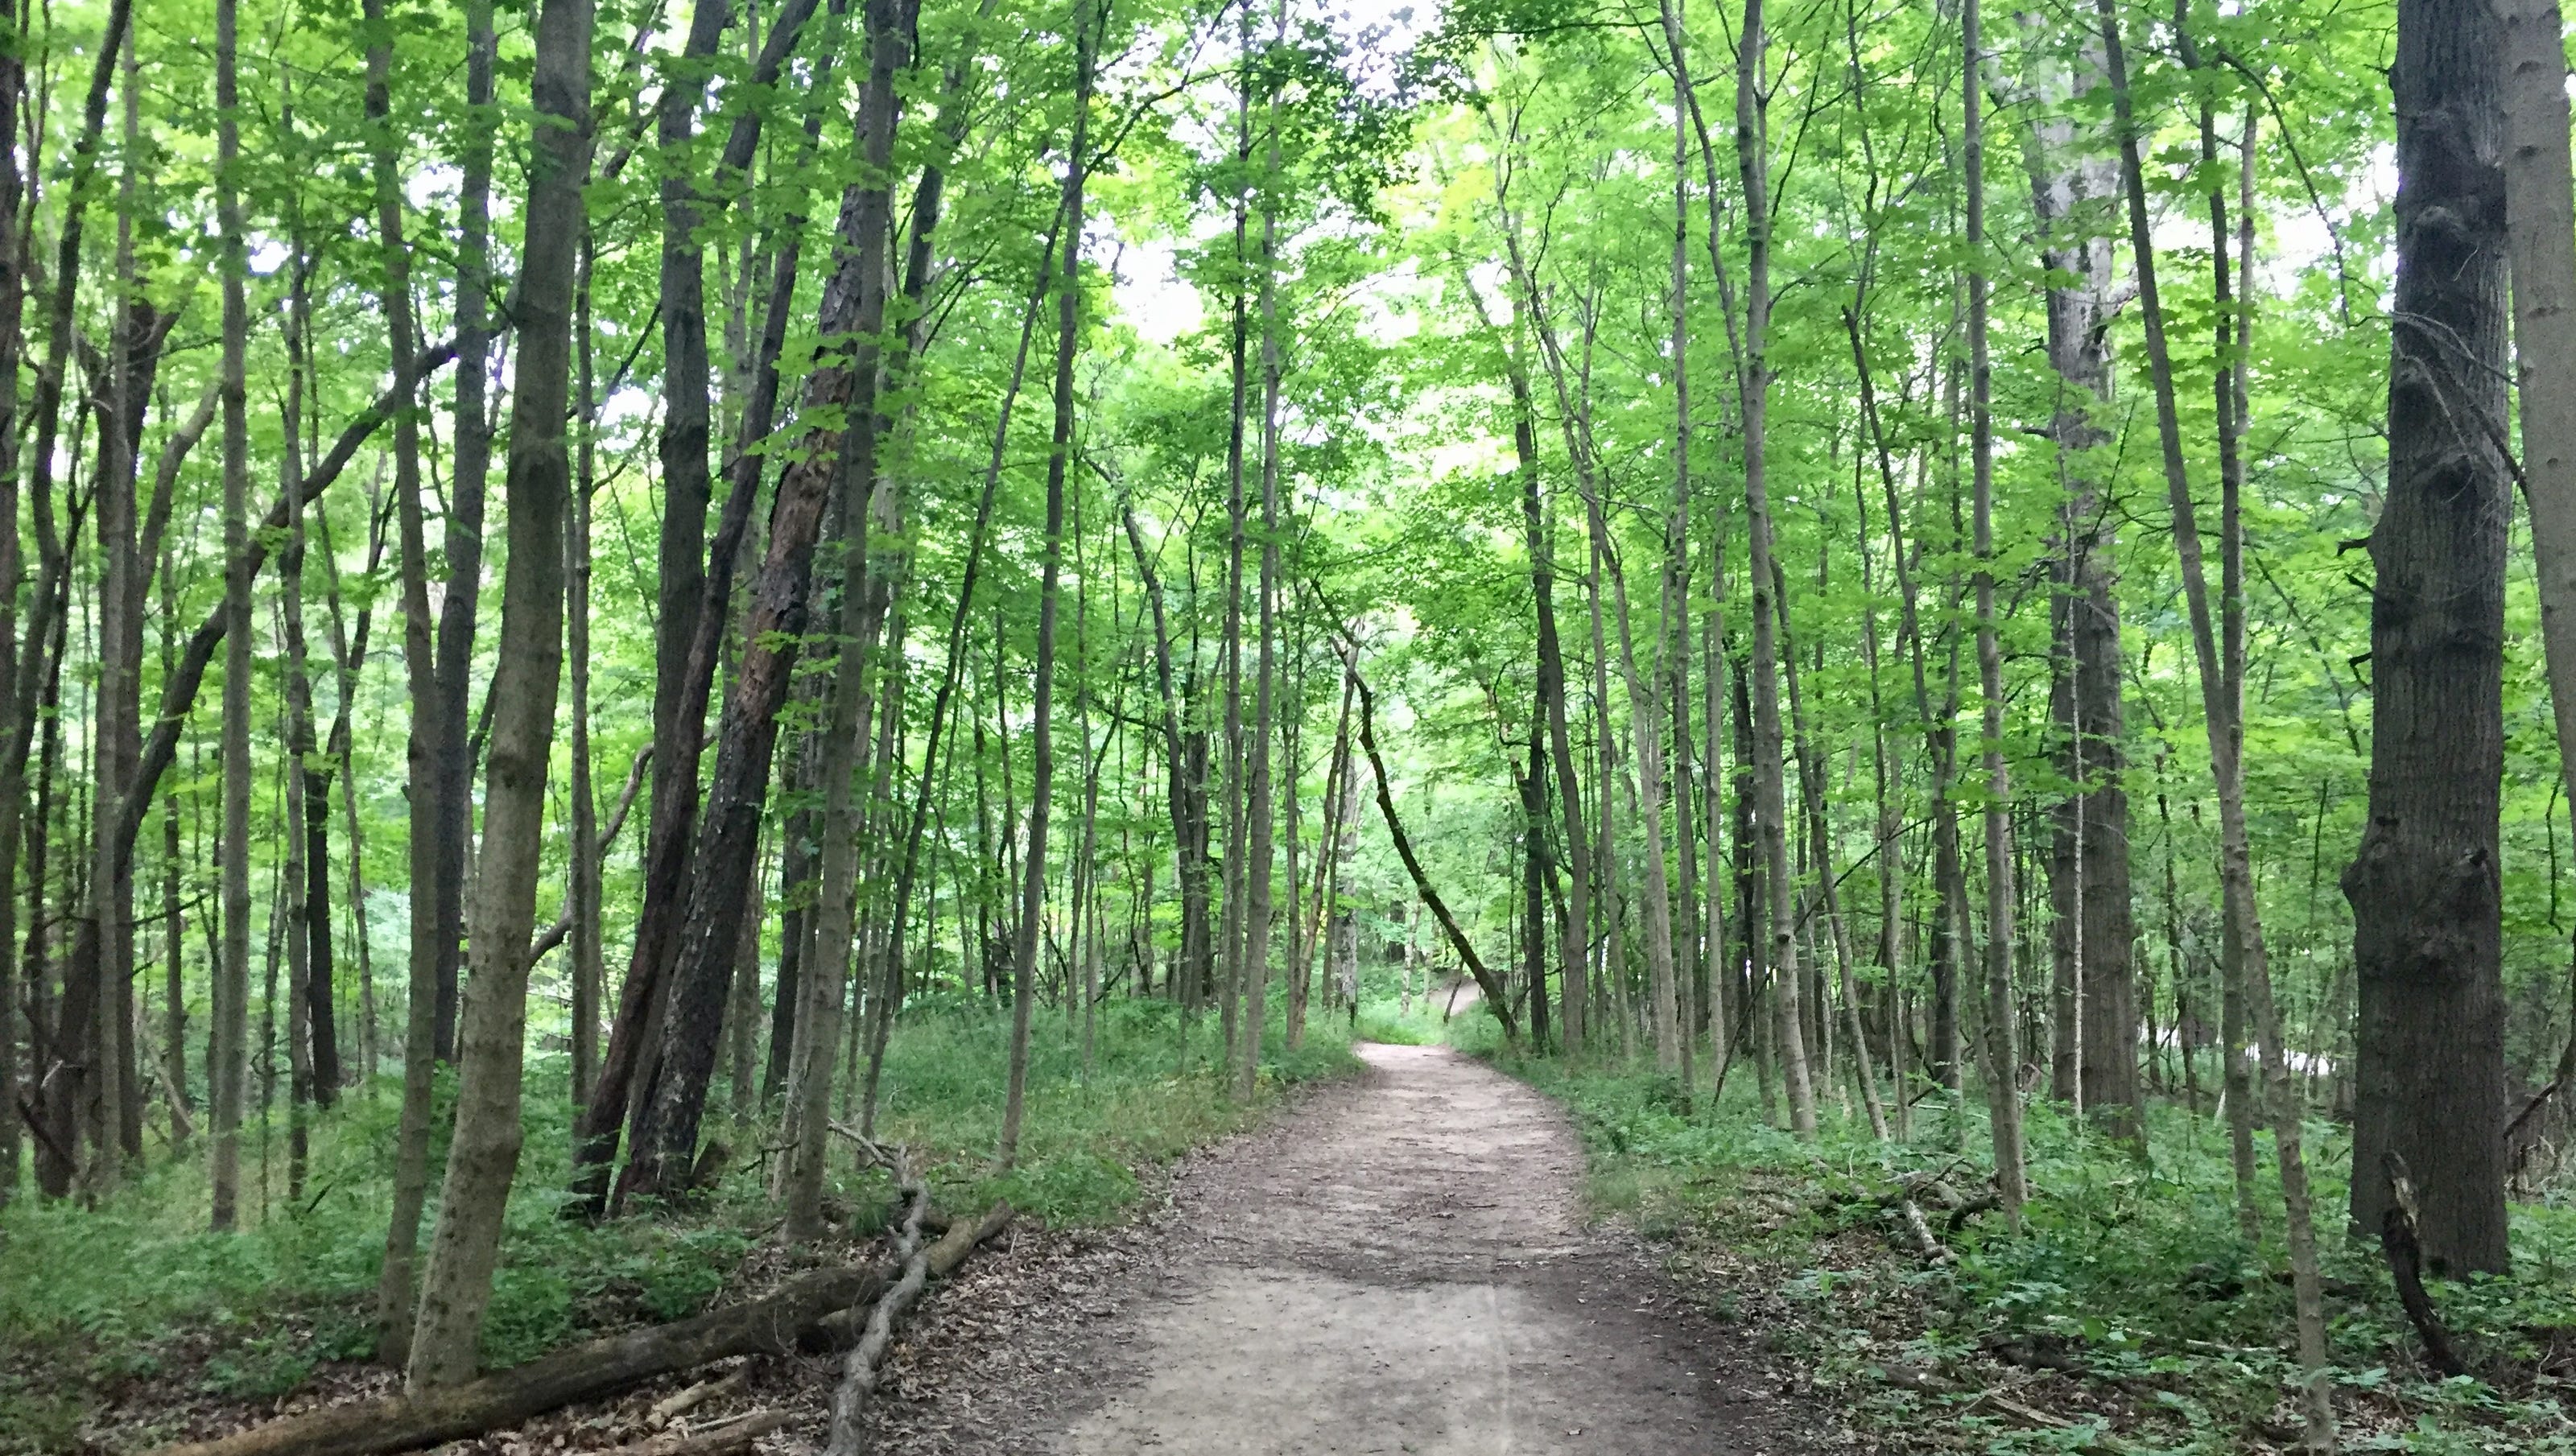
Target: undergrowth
(2128, 1316)
(133, 1299)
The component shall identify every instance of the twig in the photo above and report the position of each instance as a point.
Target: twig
(668, 1407)
(733, 1435)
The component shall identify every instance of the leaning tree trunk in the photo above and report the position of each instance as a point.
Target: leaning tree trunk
(2424, 884)
(483, 1157)
(670, 1091)
(626, 1063)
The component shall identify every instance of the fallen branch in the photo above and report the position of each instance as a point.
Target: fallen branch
(671, 1407)
(1921, 1233)
(583, 1372)
(859, 1374)
(717, 1440)
(2405, 1251)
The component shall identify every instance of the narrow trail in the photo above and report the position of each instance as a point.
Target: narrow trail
(1400, 1264)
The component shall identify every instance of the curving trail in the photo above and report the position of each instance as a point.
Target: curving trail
(1398, 1265)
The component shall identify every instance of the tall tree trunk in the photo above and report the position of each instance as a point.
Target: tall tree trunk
(14, 704)
(889, 28)
(669, 1093)
(482, 1161)
(1068, 344)
(589, 967)
(1575, 948)
(229, 1064)
(681, 449)
(2424, 884)
(1230, 648)
(54, 1167)
(411, 1141)
(1259, 802)
(2222, 702)
(1752, 145)
(951, 676)
(307, 867)
(2070, 185)
(2003, 1054)
(2540, 205)
(454, 822)
(98, 979)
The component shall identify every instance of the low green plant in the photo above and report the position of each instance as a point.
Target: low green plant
(99, 1303)
(2132, 1272)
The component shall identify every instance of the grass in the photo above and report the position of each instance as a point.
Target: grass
(2179, 1333)
(134, 1298)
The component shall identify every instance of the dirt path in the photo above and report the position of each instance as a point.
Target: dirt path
(1398, 1265)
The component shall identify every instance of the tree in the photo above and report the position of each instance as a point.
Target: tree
(482, 1160)
(2426, 903)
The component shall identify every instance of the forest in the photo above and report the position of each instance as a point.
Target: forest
(652, 653)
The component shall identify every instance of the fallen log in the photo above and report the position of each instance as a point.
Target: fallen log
(583, 1372)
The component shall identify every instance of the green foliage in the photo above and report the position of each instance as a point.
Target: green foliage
(2134, 1272)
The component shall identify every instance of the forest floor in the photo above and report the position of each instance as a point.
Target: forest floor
(1403, 1262)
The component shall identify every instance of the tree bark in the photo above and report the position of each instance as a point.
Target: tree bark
(2540, 206)
(1259, 804)
(889, 26)
(582, 891)
(229, 1065)
(411, 1139)
(670, 1096)
(2070, 185)
(483, 1157)
(1769, 773)
(627, 1065)
(1068, 344)
(2424, 884)
(2003, 1057)
(454, 823)
(682, 446)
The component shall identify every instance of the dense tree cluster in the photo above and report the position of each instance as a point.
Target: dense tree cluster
(1905, 548)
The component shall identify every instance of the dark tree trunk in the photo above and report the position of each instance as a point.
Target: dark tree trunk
(670, 1095)
(453, 826)
(2424, 885)
(670, 834)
